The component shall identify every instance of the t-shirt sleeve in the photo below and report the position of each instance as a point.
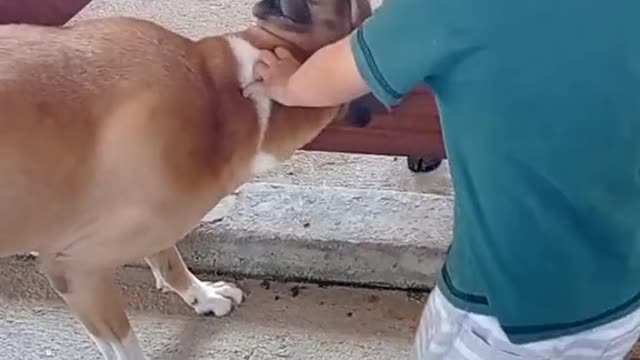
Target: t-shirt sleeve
(398, 47)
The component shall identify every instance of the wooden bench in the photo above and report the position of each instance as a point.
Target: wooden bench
(412, 129)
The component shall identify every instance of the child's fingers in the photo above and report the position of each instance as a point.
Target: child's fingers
(260, 70)
(267, 57)
(283, 53)
(254, 89)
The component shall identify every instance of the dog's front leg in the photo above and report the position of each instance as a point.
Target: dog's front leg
(93, 295)
(171, 274)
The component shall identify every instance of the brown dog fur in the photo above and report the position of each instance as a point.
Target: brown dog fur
(116, 137)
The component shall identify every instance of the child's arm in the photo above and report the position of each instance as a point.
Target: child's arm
(330, 77)
(403, 44)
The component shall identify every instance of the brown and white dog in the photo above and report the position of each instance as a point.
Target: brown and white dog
(118, 135)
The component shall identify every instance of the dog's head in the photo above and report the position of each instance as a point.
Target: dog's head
(312, 24)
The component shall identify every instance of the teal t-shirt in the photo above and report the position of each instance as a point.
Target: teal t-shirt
(540, 110)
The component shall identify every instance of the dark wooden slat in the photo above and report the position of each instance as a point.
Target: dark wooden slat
(40, 12)
(380, 142)
(413, 128)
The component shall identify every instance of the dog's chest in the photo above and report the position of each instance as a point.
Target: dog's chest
(246, 56)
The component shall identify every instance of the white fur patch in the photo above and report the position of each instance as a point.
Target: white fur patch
(213, 298)
(205, 298)
(129, 348)
(264, 162)
(104, 347)
(247, 56)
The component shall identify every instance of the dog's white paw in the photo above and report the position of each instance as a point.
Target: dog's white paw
(217, 299)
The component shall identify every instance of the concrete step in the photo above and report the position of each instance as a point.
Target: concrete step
(367, 172)
(278, 321)
(326, 234)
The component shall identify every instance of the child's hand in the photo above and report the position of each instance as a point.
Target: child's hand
(330, 77)
(272, 72)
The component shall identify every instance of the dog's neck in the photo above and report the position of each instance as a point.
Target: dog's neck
(226, 65)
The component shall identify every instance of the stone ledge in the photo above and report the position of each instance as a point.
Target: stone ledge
(335, 235)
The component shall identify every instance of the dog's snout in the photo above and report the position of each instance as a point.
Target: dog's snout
(362, 110)
(358, 115)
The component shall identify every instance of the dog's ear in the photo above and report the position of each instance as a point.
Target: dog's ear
(360, 11)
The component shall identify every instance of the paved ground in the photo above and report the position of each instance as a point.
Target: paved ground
(278, 321)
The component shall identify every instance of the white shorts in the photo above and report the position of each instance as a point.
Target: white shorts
(447, 333)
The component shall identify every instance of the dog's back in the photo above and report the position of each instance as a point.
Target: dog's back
(111, 113)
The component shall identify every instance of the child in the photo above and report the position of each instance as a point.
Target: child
(540, 108)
